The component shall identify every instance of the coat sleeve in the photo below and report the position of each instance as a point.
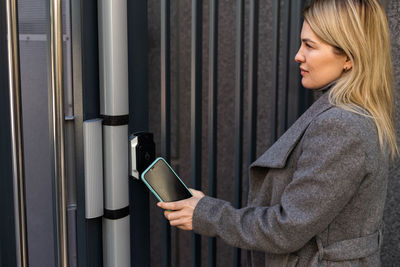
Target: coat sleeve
(329, 171)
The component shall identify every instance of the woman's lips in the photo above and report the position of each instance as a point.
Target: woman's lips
(303, 71)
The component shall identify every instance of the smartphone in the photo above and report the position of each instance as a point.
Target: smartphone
(164, 183)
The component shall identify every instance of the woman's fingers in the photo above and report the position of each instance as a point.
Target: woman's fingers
(196, 193)
(181, 219)
(183, 213)
(173, 215)
(181, 222)
(180, 213)
(167, 205)
(189, 202)
(176, 205)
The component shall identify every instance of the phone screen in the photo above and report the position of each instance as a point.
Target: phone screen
(165, 183)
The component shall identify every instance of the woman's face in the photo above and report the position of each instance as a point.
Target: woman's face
(319, 64)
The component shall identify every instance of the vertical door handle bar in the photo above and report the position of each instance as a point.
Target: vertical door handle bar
(56, 118)
(16, 134)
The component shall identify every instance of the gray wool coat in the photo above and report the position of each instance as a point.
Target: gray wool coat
(316, 196)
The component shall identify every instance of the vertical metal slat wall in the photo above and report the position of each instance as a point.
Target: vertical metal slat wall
(239, 88)
(252, 82)
(283, 85)
(275, 72)
(166, 114)
(196, 113)
(212, 118)
(283, 97)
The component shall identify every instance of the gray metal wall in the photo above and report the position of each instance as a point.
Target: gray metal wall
(180, 107)
(180, 112)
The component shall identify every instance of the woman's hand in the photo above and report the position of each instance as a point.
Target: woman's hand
(180, 213)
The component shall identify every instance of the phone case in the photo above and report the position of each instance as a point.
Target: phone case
(151, 188)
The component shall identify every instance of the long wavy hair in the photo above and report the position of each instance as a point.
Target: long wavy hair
(359, 29)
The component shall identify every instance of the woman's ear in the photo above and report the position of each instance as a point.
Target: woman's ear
(348, 64)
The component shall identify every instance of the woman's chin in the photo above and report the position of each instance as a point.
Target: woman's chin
(310, 85)
(306, 84)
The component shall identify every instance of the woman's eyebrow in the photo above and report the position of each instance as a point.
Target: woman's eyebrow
(307, 40)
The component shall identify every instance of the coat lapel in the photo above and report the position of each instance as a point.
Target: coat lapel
(277, 154)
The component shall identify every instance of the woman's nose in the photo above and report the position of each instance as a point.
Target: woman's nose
(299, 58)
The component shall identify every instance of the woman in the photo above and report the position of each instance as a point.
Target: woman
(317, 195)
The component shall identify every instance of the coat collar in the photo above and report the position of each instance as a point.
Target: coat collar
(277, 154)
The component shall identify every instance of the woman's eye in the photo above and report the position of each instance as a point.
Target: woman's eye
(308, 45)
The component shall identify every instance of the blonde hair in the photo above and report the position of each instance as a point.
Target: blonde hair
(359, 29)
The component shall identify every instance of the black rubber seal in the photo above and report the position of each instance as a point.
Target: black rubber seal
(115, 120)
(116, 214)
